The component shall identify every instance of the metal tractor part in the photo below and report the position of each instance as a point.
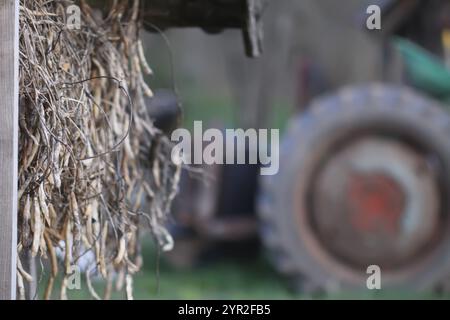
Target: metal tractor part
(364, 180)
(215, 213)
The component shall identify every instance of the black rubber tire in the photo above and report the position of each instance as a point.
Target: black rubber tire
(378, 107)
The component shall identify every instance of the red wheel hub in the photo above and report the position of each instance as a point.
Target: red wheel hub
(375, 201)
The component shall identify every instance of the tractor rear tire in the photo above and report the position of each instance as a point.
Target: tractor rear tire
(402, 122)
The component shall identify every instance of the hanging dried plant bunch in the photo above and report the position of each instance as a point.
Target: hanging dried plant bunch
(92, 166)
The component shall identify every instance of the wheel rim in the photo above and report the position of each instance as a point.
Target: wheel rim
(376, 201)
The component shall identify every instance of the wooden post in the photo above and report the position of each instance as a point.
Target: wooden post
(9, 94)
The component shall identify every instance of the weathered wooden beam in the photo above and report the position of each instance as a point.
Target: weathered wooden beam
(9, 88)
(210, 15)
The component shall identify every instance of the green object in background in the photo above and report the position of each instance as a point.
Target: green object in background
(426, 71)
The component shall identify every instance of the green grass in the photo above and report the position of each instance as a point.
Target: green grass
(222, 279)
(216, 280)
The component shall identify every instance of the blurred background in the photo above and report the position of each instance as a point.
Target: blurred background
(365, 155)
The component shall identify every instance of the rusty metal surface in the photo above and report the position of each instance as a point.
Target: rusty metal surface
(376, 202)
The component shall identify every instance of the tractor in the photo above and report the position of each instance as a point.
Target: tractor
(364, 176)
